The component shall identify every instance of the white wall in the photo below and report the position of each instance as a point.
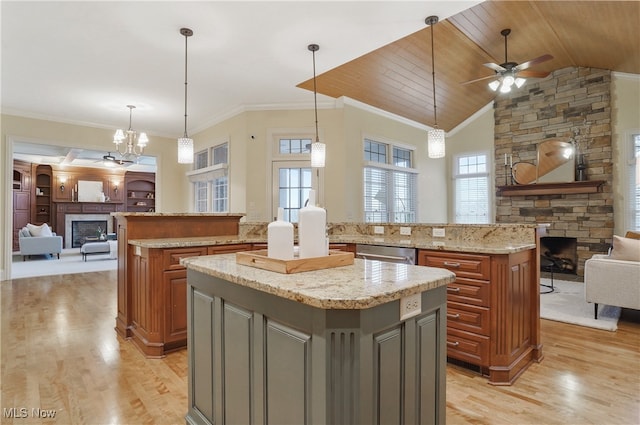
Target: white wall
(472, 136)
(625, 117)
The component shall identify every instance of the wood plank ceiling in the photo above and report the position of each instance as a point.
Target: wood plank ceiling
(398, 77)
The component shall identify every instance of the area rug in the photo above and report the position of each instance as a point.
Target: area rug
(566, 304)
(70, 262)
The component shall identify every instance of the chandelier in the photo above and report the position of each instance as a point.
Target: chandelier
(133, 143)
(185, 143)
(435, 136)
(317, 148)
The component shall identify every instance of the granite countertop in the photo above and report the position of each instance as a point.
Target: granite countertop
(364, 284)
(462, 246)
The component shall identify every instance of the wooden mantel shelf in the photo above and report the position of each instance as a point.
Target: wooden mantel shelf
(589, 186)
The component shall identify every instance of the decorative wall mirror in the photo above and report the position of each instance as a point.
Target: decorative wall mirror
(554, 164)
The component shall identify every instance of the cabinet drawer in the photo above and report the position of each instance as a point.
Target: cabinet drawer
(468, 317)
(171, 257)
(469, 291)
(227, 249)
(463, 265)
(468, 347)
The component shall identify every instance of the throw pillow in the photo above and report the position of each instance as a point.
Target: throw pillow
(42, 230)
(632, 235)
(625, 249)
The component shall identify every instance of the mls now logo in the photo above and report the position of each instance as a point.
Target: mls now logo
(15, 412)
(23, 412)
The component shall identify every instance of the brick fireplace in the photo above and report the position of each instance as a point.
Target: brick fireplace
(573, 104)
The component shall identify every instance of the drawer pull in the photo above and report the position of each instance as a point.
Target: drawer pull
(453, 316)
(453, 343)
(455, 265)
(453, 289)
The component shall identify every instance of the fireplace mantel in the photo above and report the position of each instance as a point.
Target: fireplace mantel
(589, 186)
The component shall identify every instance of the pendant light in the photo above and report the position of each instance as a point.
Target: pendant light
(435, 136)
(317, 149)
(185, 143)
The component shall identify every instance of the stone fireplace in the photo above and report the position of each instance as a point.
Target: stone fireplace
(572, 101)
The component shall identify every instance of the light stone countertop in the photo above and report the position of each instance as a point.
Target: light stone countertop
(363, 285)
(481, 247)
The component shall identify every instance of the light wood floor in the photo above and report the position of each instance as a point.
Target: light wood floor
(59, 352)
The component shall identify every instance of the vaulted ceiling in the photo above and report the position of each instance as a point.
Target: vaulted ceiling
(398, 77)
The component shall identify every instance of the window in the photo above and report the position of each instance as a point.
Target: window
(390, 193)
(471, 176)
(210, 180)
(633, 183)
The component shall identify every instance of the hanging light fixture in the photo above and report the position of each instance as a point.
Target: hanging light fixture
(133, 143)
(185, 143)
(435, 136)
(317, 149)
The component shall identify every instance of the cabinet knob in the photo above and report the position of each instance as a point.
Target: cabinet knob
(453, 343)
(453, 289)
(453, 316)
(448, 264)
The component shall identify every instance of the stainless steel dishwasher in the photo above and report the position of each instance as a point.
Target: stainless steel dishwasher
(391, 254)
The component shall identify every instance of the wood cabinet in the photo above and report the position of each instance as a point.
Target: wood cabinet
(493, 314)
(140, 192)
(151, 282)
(21, 198)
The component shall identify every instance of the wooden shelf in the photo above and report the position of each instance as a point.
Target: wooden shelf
(589, 186)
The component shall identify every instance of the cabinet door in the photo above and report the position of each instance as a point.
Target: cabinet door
(175, 288)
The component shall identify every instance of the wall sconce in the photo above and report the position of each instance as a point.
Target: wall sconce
(62, 182)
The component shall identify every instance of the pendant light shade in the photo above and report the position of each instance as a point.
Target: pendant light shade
(185, 143)
(435, 137)
(318, 150)
(435, 143)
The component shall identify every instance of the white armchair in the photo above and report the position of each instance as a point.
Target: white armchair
(612, 281)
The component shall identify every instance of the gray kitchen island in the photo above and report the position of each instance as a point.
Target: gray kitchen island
(363, 343)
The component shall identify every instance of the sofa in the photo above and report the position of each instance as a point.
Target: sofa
(36, 240)
(614, 279)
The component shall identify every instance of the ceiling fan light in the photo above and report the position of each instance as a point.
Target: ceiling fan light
(520, 82)
(504, 88)
(508, 80)
(435, 143)
(494, 85)
(185, 150)
(318, 154)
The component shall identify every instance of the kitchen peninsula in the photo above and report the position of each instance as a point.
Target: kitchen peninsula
(319, 347)
(493, 307)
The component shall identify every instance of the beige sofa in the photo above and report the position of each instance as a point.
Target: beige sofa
(614, 279)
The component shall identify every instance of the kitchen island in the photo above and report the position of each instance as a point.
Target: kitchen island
(319, 347)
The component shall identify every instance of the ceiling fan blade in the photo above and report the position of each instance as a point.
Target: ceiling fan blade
(532, 74)
(532, 62)
(478, 79)
(495, 67)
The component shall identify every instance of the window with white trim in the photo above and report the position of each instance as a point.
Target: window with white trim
(390, 183)
(471, 181)
(210, 179)
(292, 173)
(632, 200)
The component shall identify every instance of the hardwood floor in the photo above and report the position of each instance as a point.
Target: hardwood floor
(59, 352)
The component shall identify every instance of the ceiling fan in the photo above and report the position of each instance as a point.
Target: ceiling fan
(110, 160)
(512, 73)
